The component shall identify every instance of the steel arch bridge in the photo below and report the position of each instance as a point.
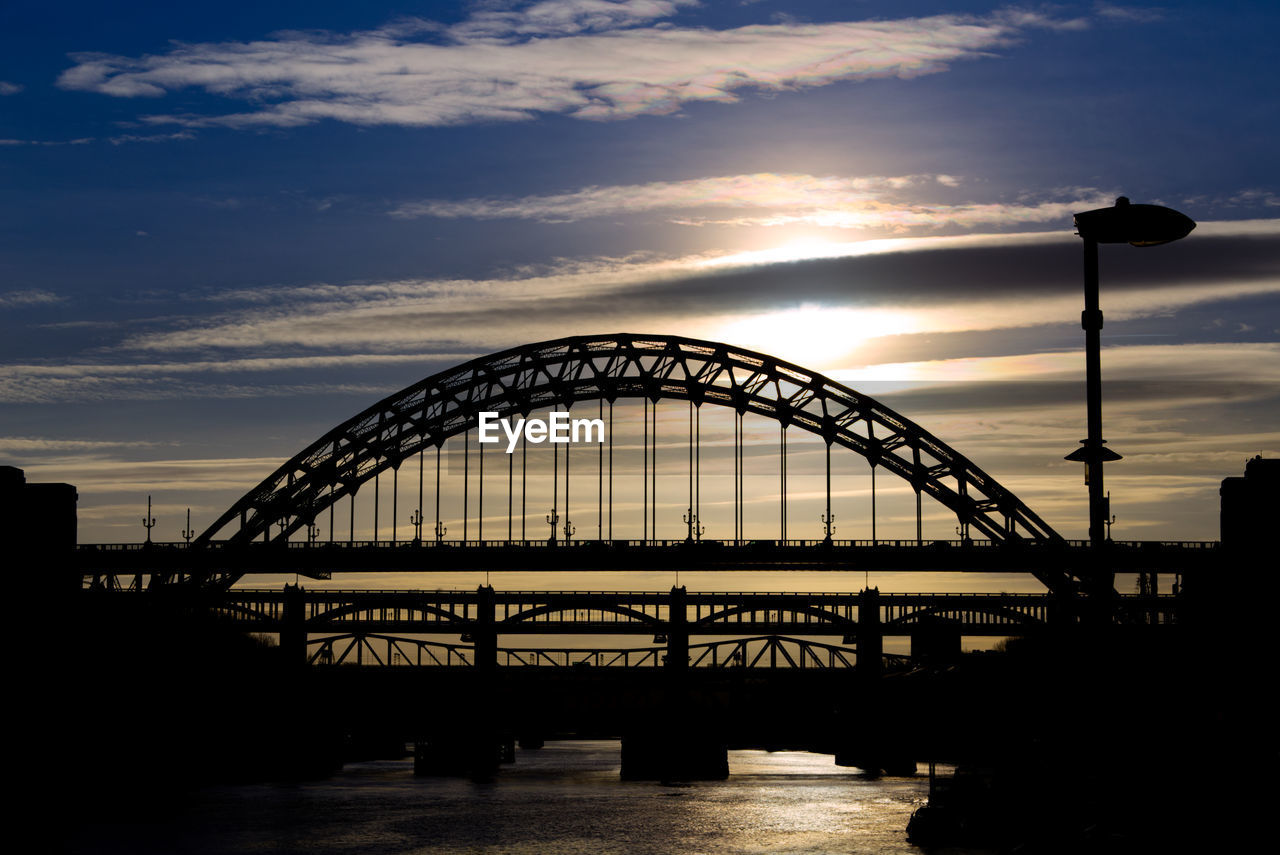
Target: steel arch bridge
(569, 370)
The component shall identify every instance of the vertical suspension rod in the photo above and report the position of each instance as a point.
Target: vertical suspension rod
(829, 517)
(691, 511)
(644, 472)
(555, 486)
(653, 474)
(466, 481)
(611, 470)
(782, 468)
(600, 482)
(511, 481)
(524, 486)
(567, 448)
(873, 503)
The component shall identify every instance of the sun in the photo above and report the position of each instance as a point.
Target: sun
(813, 335)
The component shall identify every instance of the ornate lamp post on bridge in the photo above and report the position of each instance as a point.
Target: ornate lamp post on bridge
(553, 519)
(696, 529)
(1137, 225)
(148, 522)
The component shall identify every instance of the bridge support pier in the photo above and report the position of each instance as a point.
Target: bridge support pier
(870, 635)
(471, 742)
(680, 743)
(871, 742)
(484, 635)
(293, 632)
(677, 662)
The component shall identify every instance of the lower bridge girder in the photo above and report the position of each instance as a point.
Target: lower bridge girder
(703, 629)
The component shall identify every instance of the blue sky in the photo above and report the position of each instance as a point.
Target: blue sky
(226, 229)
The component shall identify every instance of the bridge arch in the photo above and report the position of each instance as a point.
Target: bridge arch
(1015, 618)
(422, 612)
(530, 615)
(725, 615)
(517, 381)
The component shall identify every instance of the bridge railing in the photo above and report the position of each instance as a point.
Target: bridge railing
(758, 652)
(640, 544)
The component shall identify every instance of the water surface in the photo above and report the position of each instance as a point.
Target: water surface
(564, 798)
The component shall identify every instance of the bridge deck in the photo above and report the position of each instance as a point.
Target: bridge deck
(603, 613)
(593, 555)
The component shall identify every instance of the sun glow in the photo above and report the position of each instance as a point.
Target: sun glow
(814, 336)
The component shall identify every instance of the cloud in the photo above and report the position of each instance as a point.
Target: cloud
(111, 476)
(879, 301)
(31, 297)
(1126, 14)
(14, 445)
(582, 58)
(13, 142)
(93, 381)
(1134, 374)
(151, 138)
(563, 17)
(7, 88)
(945, 284)
(785, 199)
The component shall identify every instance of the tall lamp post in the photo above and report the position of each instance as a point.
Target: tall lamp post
(1137, 225)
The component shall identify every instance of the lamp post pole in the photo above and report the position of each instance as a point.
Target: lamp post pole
(1137, 225)
(1094, 452)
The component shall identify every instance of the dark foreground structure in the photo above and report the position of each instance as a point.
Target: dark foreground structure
(1087, 731)
(1110, 743)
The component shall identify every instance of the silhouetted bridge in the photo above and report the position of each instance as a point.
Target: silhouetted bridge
(738, 660)
(796, 630)
(119, 564)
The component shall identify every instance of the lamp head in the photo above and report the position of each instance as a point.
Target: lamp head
(1138, 225)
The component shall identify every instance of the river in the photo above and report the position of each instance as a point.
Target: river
(563, 799)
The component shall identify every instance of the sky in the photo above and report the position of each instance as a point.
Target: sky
(226, 229)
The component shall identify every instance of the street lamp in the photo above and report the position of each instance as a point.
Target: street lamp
(1138, 225)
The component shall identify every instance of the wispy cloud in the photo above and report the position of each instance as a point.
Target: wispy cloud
(151, 138)
(30, 297)
(892, 287)
(1126, 14)
(105, 475)
(563, 17)
(588, 59)
(78, 141)
(41, 445)
(866, 202)
(947, 284)
(7, 88)
(87, 380)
